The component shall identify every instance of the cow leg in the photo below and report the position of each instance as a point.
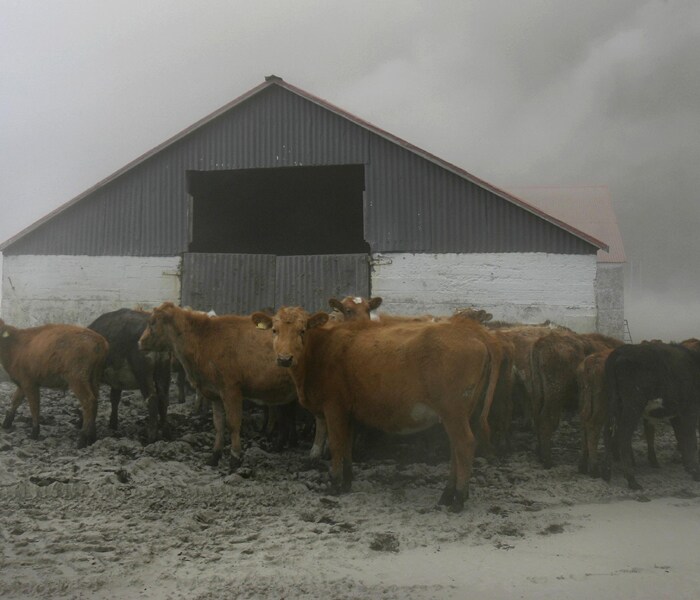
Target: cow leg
(625, 431)
(340, 442)
(687, 440)
(233, 408)
(548, 422)
(448, 494)
(161, 380)
(320, 436)
(649, 434)
(217, 410)
(32, 393)
(463, 442)
(583, 461)
(88, 401)
(115, 396)
(16, 401)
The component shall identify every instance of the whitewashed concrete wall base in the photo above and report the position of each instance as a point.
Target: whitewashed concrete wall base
(525, 288)
(77, 289)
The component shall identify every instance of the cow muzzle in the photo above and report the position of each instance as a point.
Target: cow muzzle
(284, 360)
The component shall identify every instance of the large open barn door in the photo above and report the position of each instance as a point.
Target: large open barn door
(244, 283)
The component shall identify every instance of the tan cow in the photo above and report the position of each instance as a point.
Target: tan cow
(227, 359)
(400, 379)
(54, 356)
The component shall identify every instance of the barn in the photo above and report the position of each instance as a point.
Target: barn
(280, 197)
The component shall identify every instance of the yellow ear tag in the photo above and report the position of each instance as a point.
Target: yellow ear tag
(5, 334)
(261, 325)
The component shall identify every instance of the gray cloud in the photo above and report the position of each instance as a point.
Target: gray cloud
(518, 93)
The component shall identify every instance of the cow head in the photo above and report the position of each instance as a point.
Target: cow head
(154, 338)
(353, 308)
(289, 327)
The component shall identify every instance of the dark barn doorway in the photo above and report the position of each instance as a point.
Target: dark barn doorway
(282, 211)
(263, 238)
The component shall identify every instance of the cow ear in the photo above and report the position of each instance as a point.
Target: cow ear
(336, 304)
(317, 320)
(375, 303)
(261, 320)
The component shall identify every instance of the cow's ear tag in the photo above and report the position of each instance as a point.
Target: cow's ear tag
(6, 334)
(261, 325)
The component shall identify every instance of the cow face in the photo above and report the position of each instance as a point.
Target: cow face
(154, 337)
(289, 327)
(353, 308)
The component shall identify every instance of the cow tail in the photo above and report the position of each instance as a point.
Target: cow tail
(495, 353)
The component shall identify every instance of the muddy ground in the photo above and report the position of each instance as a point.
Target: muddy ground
(126, 519)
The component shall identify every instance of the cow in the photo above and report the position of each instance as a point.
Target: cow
(353, 308)
(399, 379)
(54, 356)
(129, 368)
(227, 359)
(554, 359)
(656, 381)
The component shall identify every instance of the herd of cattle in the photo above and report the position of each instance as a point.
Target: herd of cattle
(396, 374)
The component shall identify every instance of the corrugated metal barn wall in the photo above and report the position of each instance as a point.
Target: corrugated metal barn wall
(412, 204)
(144, 211)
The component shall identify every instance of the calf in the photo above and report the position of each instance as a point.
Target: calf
(400, 379)
(353, 308)
(54, 356)
(129, 368)
(226, 358)
(654, 381)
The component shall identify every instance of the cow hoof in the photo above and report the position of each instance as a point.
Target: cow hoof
(7, 423)
(167, 434)
(447, 497)
(594, 471)
(35, 433)
(113, 424)
(634, 485)
(583, 467)
(696, 476)
(457, 503)
(234, 463)
(82, 442)
(215, 458)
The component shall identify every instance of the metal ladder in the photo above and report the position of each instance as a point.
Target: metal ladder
(626, 335)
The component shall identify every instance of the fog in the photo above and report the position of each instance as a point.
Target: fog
(517, 93)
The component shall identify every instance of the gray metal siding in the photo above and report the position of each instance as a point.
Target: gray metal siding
(411, 204)
(244, 283)
(228, 283)
(309, 281)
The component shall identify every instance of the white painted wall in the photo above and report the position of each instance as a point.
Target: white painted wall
(77, 289)
(525, 288)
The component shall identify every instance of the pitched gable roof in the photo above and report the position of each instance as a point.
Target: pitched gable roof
(273, 80)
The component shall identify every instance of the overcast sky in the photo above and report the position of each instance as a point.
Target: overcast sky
(517, 92)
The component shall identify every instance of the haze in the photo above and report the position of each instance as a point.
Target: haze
(518, 93)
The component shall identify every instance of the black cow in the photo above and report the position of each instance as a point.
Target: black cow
(658, 382)
(129, 368)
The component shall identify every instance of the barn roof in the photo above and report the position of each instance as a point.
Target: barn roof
(588, 208)
(272, 80)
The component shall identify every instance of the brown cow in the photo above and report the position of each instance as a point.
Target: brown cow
(353, 308)
(54, 356)
(227, 359)
(398, 379)
(554, 359)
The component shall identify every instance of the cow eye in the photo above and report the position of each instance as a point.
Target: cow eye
(274, 331)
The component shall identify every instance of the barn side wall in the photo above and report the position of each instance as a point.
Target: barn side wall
(77, 289)
(526, 288)
(610, 299)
